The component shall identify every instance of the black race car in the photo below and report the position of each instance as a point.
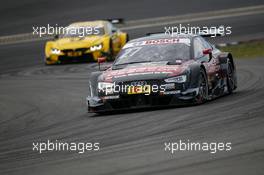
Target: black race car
(162, 70)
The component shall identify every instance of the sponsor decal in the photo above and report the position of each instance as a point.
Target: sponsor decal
(158, 41)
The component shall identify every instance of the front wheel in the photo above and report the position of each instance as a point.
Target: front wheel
(202, 95)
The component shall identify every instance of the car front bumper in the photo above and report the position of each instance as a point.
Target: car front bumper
(122, 102)
(84, 57)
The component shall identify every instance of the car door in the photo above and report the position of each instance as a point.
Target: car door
(210, 62)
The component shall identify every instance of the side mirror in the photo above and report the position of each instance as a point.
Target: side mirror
(101, 60)
(208, 52)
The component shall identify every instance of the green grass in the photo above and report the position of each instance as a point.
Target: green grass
(246, 50)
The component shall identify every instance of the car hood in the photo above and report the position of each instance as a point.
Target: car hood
(144, 71)
(77, 42)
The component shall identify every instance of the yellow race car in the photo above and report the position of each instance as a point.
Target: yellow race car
(86, 41)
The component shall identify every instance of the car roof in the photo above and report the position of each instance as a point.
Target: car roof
(163, 36)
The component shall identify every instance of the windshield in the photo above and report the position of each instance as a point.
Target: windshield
(82, 31)
(153, 53)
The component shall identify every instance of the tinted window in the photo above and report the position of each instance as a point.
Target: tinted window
(154, 53)
(111, 28)
(205, 43)
(198, 48)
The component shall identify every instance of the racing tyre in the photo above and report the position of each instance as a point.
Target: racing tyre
(203, 88)
(111, 52)
(127, 38)
(230, 80)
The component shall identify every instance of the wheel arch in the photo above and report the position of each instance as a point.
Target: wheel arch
(223, 59)
(195, 73)
(230, 57)
(93, 81)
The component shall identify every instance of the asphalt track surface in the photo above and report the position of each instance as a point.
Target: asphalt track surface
(39, 103)
(20, 16)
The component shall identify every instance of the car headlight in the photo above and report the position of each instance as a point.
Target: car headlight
(105, 87)
(55, 51)
(96, 47)
(178, 79)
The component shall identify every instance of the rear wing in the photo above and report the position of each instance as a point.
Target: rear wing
(116, 20)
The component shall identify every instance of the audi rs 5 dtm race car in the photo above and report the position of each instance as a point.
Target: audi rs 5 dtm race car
(162, 70)
(86, 41)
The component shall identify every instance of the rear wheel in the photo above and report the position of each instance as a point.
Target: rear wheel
(230, 81)
(202, 95)
(127, 38)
